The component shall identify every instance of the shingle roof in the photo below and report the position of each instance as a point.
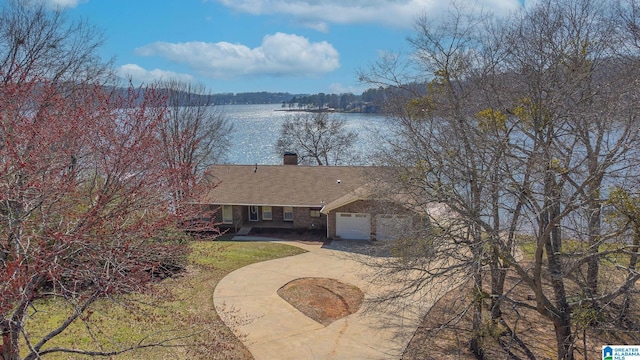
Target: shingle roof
(283, 185)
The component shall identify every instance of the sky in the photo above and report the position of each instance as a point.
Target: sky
(232, 46)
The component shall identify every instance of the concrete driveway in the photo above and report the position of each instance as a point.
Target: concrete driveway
(271, 328)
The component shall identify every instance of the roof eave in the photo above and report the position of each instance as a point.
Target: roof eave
(260, 204)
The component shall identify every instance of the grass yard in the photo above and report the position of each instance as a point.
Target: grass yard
(180, 311)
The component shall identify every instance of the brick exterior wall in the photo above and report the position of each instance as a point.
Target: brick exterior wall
(213, 212)
(302, 218)
(237, 212)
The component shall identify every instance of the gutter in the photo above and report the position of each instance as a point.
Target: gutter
(253, 204)
(327, 215)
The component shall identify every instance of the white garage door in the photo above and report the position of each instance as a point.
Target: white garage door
(391, 227)
(353, 226)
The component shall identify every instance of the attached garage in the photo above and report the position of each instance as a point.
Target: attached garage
(355, 226)
(391, 227)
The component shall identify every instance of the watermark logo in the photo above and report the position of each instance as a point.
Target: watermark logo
(621, 352)
(607, 353)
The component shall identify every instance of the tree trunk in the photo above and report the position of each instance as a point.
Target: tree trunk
(10, 349)
(476, 339)
(594, 249)
(475, 343)
(633, 263)
(498, 269)
(498, 276)
(564, 337)
(553, 246)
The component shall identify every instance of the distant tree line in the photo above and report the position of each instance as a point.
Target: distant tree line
(251, 98)
(371, 100)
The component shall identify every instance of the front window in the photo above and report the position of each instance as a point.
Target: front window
(288, 213)
(266, 213)
(227, 214)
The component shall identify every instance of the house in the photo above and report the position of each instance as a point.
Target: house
(338, 200)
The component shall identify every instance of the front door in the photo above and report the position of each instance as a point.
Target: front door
(253, 213)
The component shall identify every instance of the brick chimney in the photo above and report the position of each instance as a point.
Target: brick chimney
(290, 158)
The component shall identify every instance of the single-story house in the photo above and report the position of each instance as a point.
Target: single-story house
(338, 200)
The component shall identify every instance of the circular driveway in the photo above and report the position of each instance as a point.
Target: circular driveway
(247, 301)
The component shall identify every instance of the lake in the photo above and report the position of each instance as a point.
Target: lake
(256, 129)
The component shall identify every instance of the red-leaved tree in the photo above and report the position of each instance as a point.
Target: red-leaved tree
(84, 202)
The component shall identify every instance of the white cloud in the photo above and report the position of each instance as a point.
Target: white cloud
(396, 13)
(140, 75)
(278, 55)
(63, 3)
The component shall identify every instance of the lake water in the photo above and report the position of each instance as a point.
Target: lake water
(257, 128)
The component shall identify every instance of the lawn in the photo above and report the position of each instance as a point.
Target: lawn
(179, 310)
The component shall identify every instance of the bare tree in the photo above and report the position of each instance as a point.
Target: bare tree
(524, 125)
(578, 125)
(195, 133)
(37, 42)
(449, 135)
(317, 137)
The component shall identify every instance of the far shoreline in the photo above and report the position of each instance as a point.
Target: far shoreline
(309, 110)
(325, 110)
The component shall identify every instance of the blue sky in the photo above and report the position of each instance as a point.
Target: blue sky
(296, 46)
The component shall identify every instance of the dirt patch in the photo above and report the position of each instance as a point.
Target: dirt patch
(446, 331)
(321, 299)
(437, 337)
